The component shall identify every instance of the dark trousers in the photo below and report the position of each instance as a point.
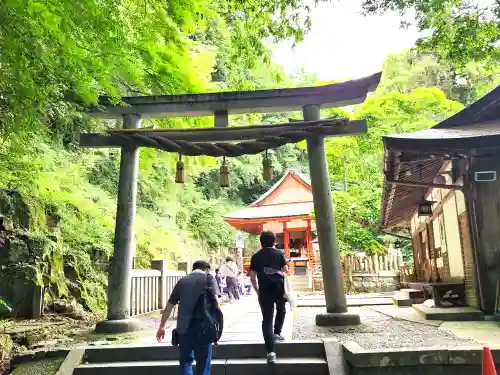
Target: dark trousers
(267, 303)
(189, 350)
(232, 287)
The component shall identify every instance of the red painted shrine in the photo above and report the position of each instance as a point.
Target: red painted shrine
(285, 210)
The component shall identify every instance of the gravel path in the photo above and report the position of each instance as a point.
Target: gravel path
(376, 331)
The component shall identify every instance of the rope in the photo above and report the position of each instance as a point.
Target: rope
(219, 149)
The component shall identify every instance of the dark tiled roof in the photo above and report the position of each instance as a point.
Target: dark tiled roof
(475, 127)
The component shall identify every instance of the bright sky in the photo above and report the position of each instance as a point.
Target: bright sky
(345, 44)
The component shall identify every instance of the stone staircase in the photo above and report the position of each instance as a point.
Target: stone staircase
(300, 283)
(237, 358)
(408, 297)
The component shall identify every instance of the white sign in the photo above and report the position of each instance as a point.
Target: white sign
(239, 241)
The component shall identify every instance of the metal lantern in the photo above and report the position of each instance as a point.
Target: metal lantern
(224, 174)
(179, 171)
(267, 168)
(424, 207)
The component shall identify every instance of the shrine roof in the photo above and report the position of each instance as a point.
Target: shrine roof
(290, 197)
(287, 210)
(281, 184)
(420, 156)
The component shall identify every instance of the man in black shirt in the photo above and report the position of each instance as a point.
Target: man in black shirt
(267, 274)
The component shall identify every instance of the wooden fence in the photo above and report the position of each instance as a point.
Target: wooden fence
(373, 263)
(150, 289)
(361, 265)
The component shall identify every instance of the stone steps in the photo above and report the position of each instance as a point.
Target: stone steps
(408, 297)
(239, 358)
(450, 314)
(130, 353)
(299, 283)
(283, 366)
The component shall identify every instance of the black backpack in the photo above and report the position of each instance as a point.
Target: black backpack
(274, 279)
(207, 322)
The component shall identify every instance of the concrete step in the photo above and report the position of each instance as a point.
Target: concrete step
(411, 293)
(450, 314)
(231, 350)
(283, 366)
(401, 301)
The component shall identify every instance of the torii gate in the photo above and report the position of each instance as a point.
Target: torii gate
(228, 142)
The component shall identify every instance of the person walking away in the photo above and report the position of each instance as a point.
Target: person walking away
(187, 293)
(267, 275)
(247, 286)
(219, 281)
(230, 271)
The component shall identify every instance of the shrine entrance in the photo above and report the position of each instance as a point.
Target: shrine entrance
(285, 210)
(225, 141)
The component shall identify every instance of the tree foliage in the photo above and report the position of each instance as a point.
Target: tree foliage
(51, 51)
(458, 31)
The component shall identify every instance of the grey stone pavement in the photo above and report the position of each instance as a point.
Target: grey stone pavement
(242, 322)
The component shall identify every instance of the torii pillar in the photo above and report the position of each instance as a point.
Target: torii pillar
(120, 269)
(331, 267)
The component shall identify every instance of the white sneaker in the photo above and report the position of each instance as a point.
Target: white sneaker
(278, 338)
(271, 357)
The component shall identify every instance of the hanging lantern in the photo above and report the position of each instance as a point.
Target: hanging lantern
(179, 171)
(224, 174)
(424, 207)
(267, 168)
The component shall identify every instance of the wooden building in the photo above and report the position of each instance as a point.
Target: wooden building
(285, 210)
(443, 184)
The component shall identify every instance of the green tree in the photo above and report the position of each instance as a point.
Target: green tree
(458, 31)
(358, 160)
(406, 71)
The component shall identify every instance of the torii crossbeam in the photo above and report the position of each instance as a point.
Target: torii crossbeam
(229, 142)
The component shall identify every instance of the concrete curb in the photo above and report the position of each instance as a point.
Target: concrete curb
(465, 355)
(39, 354)
(73, 359)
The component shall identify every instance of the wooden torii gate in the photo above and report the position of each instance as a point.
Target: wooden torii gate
(228, 142)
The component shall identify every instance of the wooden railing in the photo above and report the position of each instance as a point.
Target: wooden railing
(352, 264)
(150, 289)
(374, 263)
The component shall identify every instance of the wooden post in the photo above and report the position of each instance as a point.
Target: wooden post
(309, 239)
(286, 241)
(375, 263)
(336, 305)
(120, 269)
(161, 265)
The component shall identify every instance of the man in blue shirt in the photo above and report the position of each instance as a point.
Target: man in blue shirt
(186, 293)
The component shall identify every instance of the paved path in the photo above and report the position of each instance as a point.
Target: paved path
(243, 321)
(352, 301)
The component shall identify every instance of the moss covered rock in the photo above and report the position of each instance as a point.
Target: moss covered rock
(5, 346)
(14, 208)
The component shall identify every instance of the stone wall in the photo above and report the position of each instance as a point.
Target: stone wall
(362, 282)
(415, 361)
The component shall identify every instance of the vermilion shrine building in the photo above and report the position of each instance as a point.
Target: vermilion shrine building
(285, 210)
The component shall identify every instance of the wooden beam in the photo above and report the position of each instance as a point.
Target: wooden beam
(277, 100)
(233, 134)
(425, 184)
(221, 118)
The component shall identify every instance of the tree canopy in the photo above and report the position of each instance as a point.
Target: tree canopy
(458, 31)
(58, 56)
